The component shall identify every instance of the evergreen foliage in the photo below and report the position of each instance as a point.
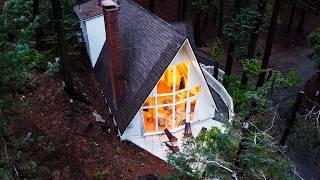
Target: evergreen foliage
(314, 40)
(212, 155)
(240, 28)
(217, 52)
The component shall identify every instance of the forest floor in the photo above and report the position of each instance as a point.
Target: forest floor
(66, 139)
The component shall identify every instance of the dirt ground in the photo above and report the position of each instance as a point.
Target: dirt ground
(65, 145)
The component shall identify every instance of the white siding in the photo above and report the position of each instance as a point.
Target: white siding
(205, 107)
(96, 36)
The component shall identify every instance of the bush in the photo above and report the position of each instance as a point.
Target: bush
(314, 40)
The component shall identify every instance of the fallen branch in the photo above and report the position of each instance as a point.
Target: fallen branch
(7, 155)
(233, 174)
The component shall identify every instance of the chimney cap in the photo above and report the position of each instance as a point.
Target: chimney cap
(109, 4)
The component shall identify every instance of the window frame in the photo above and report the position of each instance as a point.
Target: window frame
(187, 100)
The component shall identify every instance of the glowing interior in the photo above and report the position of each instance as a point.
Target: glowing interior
(174, 102)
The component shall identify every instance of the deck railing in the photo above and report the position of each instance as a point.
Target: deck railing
(210, 69)
(218, 87)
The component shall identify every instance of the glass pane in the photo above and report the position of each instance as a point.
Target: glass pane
(165, 85)
(149, 117)
(150, 101)
(180, 114)
(192, 109)
(164, 118)
(165, 100)
(181, 96)
(182, 76)
(194, 91)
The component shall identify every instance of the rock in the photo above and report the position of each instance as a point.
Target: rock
(98, 117)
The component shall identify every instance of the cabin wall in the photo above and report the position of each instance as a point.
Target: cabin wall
(85, 36)
(205, 107)
(96, 37)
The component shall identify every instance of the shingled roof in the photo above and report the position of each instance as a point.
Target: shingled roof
(148, 46)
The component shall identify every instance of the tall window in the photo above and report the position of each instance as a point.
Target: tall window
(174, 102)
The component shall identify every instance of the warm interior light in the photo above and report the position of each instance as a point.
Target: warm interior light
(165, 85)
(165, 100)
(164, 118)
(182, 76)
(180, 114)
(158, 110)
(149, 116)
(150, 101)
(181, 96)
(192, 109)
(194, 91)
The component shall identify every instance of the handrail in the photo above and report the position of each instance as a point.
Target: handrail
(219, 88)
(210, 69)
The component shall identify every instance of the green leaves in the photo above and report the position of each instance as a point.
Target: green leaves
(314, 40)
(217, 52)
(240, 28)
(252, 66)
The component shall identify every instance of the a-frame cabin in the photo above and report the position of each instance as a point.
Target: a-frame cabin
(148, 72)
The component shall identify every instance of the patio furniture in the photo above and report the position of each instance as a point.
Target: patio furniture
(170, 136)
(173, 148)
(187, 130)
(203, 130)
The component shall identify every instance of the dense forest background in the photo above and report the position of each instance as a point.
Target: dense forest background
(269, 50)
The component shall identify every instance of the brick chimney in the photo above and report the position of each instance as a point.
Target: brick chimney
(110, 13)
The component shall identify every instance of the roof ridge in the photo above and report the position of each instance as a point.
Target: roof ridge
(153, 15)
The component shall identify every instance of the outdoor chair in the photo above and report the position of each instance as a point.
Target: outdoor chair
(170, 136)
(173, 148)
(187, 130)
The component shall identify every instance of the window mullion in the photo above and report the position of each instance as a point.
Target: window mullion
(156, 107)
(174, 98)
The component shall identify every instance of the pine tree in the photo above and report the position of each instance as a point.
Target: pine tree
(269, 43)
(61, 46)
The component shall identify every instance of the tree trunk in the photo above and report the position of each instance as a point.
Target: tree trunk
(244, 78)
(35, 7)
(242, 147)
(318, 9)
(220, 25)
(197, 29)
(292, 118)
(269, 43)
(151, 6)
(205, 20)
(179, 9)
(62, 48)
(215, 15)
(183, 11)
(229, 62)
(38, 30)
(301, 22)
(254, 36)
(216, 70)
(231, 46)
(293, 11)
